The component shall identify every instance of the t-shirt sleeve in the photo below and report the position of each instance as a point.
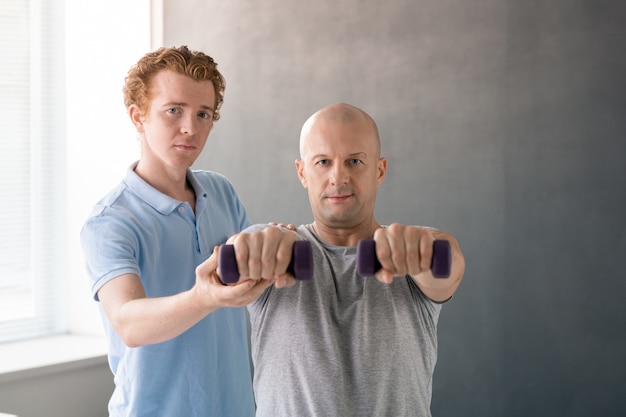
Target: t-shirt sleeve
(430, 308)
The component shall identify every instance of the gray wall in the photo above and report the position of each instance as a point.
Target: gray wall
(503, 122)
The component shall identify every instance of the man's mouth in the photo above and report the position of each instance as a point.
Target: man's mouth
(184, 147)
(338, 197)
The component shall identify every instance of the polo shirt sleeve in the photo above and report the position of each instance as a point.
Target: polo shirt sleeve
(110, 246)
(239, 211)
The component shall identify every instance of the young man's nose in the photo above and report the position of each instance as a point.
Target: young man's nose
(189, 125)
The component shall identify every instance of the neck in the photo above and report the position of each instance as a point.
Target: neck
(172, 184)
(345, 236)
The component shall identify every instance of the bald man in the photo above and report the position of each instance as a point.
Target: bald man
(342, 344)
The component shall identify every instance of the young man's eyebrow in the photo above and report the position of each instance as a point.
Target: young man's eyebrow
(182, 104)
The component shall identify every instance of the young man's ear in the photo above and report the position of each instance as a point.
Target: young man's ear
(300, 170)
(136, 117)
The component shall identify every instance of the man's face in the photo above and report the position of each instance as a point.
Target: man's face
(176, 126)
(342, 170)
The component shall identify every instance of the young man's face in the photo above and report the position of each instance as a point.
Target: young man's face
(175, 128)
(341, 169)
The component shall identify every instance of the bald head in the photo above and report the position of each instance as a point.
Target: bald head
(334, 115)
(341, 168)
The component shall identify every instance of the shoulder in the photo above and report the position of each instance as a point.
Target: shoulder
(306, 230)
(111, 202)
(117, 213)
(209, 177)
(212, 181)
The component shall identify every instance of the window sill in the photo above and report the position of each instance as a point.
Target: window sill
(37, 357)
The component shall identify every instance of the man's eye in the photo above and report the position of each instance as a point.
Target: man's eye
(323, 162)
(173, 110)
(204, 115)
(355, 161)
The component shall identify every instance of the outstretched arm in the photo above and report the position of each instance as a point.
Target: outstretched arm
(403, 250)
(140, 320)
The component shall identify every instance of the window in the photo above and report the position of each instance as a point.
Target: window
(32, 152)
(65, 140)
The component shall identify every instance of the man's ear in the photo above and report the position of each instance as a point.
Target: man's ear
(382, 170)
(136, 117)
(300, 169)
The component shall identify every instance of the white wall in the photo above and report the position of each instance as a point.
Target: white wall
(104, 38)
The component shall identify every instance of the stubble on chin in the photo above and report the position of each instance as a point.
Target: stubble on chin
(339, 218)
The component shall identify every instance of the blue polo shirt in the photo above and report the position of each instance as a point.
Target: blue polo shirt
(137, 229)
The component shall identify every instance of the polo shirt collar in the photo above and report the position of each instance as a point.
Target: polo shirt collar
(162, 203)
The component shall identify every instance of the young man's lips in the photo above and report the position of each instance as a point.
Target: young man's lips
(185, 147)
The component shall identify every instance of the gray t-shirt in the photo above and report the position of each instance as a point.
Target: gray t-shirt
(342, 344)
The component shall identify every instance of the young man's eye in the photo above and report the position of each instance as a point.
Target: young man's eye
(204, 115)
(173, 110)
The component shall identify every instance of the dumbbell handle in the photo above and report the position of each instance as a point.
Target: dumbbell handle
(300, 266)
(367, 263)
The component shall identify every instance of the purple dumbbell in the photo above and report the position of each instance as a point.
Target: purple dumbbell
(367, 262)
(300, 266)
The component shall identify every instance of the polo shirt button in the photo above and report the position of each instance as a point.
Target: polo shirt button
(181, 209)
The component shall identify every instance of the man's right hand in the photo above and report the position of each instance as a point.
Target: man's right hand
(265, 254)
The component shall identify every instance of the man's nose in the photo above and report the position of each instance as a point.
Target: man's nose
(189, 125)
(338, 175)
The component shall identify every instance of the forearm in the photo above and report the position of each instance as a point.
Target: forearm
(144, 321)
(441, 289)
